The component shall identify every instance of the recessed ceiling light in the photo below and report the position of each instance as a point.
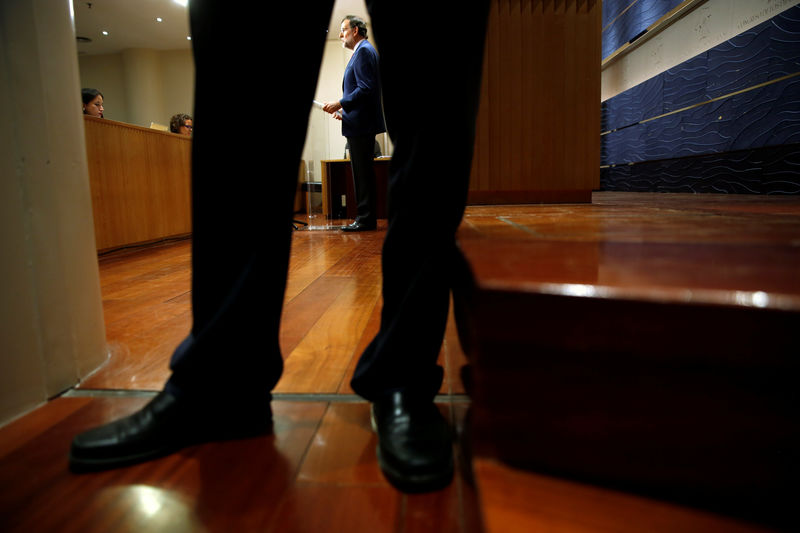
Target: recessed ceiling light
(188, 37)
(159, 19)
(104, 32)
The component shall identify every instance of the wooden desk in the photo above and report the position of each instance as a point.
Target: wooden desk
(140, 181)
(337, 180)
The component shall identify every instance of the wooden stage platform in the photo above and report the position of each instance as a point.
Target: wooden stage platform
(696, 286)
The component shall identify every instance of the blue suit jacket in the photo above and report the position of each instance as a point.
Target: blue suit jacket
(362, 113)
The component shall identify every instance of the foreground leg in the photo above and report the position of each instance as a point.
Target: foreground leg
(222, 374)
(430, 116)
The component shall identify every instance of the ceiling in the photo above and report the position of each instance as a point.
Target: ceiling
(133, 24)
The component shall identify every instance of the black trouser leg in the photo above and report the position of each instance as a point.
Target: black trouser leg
(431, 119)
(242, 200)
(362, 162)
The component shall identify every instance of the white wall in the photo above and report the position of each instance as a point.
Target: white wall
(141, 86)
(324, 139)
(710, 24)
(177, 76)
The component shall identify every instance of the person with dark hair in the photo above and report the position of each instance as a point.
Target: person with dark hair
(224, 371)
(181, 123)
(92, 102)
(357, 24)
(361, 116)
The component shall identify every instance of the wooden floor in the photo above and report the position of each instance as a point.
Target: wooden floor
(318, 471)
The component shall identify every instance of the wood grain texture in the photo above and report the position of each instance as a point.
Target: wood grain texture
(316, 472)
(147, 308)
(208, 487)
(517, 501)
(536, 134)
(648, 345)
(319, 471)
(337, 181)
(140, 182)
(331, 313)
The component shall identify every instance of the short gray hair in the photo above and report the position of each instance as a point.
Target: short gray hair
(357, 22)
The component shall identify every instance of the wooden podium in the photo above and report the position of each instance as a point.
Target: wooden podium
(338, 191)
(538, 130)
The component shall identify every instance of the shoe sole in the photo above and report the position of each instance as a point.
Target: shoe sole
(84, 465)
(79, 465)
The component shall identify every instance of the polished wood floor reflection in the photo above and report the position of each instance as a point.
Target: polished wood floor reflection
(318, 471)
(331, 312)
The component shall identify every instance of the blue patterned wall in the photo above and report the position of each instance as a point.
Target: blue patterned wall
(625, 19)
(738, 102)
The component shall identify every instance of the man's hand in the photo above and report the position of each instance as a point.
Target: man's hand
(332, 107)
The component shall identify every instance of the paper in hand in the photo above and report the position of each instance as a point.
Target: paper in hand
(320, 105)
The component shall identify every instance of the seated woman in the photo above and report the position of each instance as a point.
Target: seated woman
(92, 102)
(181, 123)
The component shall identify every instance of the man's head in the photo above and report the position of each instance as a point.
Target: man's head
(353, 29)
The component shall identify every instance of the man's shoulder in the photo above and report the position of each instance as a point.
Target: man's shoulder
(366, 47)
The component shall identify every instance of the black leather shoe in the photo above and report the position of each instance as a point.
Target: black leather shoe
(360, 226)
(415, 448)
(163, 426)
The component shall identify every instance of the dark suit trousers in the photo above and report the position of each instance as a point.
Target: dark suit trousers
(242, 192)
(430, 96)
(362, 150)
(243, 187)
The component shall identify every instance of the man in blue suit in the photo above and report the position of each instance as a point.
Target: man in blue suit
(362, 117)
(224, 371)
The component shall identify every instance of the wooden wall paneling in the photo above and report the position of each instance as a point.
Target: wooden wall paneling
(540, 103)
(573, 105)
(512, 150)
(550, 115)
(495, 80)
(529, 78)
(480, 157)
(590, 110)
(539, 151)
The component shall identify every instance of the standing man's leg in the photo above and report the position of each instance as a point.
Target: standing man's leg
(243, 193)
(362, 162)
(222, 374)
(430, 116)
